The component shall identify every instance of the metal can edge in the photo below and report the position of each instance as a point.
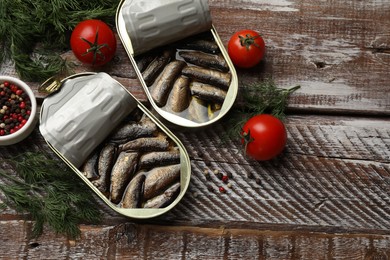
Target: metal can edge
(137, 213)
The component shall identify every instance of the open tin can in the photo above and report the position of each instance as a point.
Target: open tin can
(179, 59)
(135, 164)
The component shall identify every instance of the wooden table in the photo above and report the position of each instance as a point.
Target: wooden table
(326, 197)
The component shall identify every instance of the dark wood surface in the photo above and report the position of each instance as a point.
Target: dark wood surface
(326, 197)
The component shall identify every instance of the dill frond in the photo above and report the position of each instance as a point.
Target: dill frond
(259, 98)
(30, 26)
(50, 193)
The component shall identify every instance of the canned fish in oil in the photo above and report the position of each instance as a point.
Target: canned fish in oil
(179, 59)
(116, 145)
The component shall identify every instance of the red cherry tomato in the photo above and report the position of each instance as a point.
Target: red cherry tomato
(264, 137)
(93, 42)
(246, 48)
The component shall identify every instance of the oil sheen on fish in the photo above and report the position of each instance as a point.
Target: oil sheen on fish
(144, 60)
(159, 178)
(122, 171)
(133, 195)
(209, 76)
(208, 92)
(106, 158)
(90, 167)
(205, 60)
(164, 199)
(200, 44)
(156, 66)
(198, 110)
(132, 130)
(163, 85)
(153, 159)
(180, 96)
(146, 144)
(106, 161)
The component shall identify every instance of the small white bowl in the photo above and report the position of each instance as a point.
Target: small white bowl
(32, 120)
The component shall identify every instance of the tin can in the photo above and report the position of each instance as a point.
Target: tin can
(179, 59)
(135, 164)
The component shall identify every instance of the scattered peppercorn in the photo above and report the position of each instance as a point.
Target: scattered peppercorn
(225, 178)
(258, 181)
(222, 190)
(15, 108)
(249, 175)
(206, 174)
(210, 188)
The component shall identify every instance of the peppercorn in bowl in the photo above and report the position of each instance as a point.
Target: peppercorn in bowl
(18, 108)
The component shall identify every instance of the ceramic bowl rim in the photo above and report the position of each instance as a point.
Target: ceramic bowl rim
(30, 124)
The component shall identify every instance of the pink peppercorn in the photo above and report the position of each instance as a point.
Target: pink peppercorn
(225, 178)
(15, 108)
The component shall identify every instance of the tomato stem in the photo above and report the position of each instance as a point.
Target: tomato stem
(247, 139)
(248, 40)
(94, 48)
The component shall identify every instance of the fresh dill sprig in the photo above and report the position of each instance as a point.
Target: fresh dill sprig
(259, 98)
(37, 26)
(51, 193)
(266, 97)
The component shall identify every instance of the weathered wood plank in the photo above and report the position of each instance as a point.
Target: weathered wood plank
(326, 197)
(330, 82)
(329, 175)
(131, 241)
(337, 51)
(333, 175)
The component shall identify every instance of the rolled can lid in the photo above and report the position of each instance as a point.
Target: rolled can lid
(76, 119)
(154, 23)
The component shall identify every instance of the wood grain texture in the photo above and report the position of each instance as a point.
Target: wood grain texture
(132, 241)
(326, 197)
(337, 51)
(324, 186)
(329, 178)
